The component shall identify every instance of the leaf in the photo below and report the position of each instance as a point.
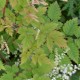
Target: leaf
(40, 57)
(24, 57)
(49, 43)
(9, 30)
(40, 39)
(13, 3)
(36, 77)
(41, 10)
(69, 6)
(12, 44)
(26, 37)
(75, 76)
(57, 38)
(77, 42)
(11, 69)
(54, 11)
(44, 30)
(18, 4)
(2, 28)
(45, 65)
(65, 60)
(70, 27)
(48, 27)
(2, 66)
(77, 32)
(10, 15)
(2, 4)
(74, 52)
(8, 76)
(43, 69)
(27, 42)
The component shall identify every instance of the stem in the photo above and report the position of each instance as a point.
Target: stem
(4, 9)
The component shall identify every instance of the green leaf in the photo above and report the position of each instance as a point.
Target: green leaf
(74, 52)
(75, 76)
(10, 15)
(77, 32)
(8, 76)
(48, 27)
(36, 77)
(2, 4)
(26, 37)
(24, 57)
(2, 66)
(77, 42)
(54, 11)
(18, 4)
(11, 69)
(50, 43)
(2, 28)
(9, 30)
(12, 44)
(40, 57)
(41, 10)
(57, 38)
(40, 39)
(70, 27)
(65, 60)
(43, 69)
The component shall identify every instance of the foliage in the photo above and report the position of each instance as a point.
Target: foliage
(34, 34)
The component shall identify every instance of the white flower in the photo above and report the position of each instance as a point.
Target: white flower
(54, 79)
(71, 68)
(70, 73)
(75, 67)
(74, 72)
(65, 77)
(65, 70)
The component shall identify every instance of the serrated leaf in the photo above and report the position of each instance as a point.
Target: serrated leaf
(73, 53)
(27, 42)
(24, 57)
(9, 30)
(40, 57)
(43, 69)
(54, 11)
(11, 69)
(49, 43)
(8, 76)
(41, 10)
(40, 39)
(48, 27)
(18, 4)
(77, 32)
(65, 60)
(57, 38)
(77, 42)
(2, 66)
(70, 27)
(10, 15)
(26, 37)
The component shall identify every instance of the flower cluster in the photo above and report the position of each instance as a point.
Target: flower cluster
(65, 71)
(59, 57)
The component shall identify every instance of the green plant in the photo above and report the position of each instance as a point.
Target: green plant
(29, 34)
